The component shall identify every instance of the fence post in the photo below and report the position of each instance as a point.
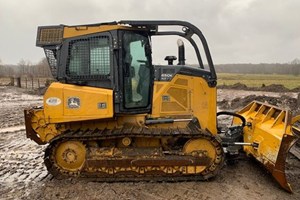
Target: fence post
(19, 82)
(38, 83)
(32, 83)
(47, 83)
(26, 82)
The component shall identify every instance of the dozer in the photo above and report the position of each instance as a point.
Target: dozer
(112, 115)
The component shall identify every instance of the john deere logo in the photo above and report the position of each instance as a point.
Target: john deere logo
(73, 102)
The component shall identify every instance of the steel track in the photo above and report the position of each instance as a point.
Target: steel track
(130, 131)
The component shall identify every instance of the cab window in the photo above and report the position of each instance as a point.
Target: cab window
(88, 57)
(136, 70)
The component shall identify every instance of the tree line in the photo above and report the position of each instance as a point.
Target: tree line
(41, 69)
(293, 69)
(26, 69)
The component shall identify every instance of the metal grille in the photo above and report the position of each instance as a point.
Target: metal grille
(171, 107)
(89, 57)
(50, 36)
(51, 57)
(180, 95)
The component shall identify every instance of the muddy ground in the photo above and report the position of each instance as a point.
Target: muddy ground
(23, 175)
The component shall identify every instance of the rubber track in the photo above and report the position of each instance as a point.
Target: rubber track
(129, 131)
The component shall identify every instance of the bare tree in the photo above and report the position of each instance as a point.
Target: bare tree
(296, 61)
(43, 68)
(22, 67)
(25, 68)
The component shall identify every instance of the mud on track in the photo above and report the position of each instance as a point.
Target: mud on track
(23, 175)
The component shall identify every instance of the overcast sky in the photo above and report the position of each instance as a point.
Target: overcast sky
(237, 31)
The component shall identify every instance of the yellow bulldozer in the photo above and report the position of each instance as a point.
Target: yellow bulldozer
(113, 115)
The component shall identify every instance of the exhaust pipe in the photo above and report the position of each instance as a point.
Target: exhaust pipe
(181, 54)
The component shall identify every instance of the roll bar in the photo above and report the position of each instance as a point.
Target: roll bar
(188, 30)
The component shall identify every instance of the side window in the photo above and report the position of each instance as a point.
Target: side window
(136, 68)
(89, 57)
(138, 56)
(99, 56)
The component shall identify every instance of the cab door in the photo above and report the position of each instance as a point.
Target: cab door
(135, 72)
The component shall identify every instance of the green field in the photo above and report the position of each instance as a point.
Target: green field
(256, 80)
(251, 80)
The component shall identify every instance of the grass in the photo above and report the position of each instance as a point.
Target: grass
(251, 80)
(256, 80)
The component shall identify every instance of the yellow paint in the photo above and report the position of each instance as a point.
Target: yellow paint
(269, 125)
(194, 147)
(186, 96)
(74, 31)
(70, 155)
(195, 102)
(45, 131)
(89, 109)
(295, 119)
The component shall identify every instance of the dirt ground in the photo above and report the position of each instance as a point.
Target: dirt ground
(24, 176)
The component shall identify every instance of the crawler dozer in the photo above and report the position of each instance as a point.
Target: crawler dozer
(113, 115)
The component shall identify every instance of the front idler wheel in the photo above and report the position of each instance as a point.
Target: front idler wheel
(70, 156)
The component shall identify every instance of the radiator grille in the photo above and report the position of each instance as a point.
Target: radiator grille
(181, 81)
(171, 107)
(180, 95)
(50, 36)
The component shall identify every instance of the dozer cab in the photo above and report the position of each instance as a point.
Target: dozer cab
(112, 115)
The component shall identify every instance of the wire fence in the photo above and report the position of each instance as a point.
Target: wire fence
(26, 82)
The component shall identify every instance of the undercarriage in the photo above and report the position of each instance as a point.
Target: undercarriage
(135, 153)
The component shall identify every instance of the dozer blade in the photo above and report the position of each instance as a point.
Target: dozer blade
(270, 130)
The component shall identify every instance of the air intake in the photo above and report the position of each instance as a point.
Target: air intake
(51, 35)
